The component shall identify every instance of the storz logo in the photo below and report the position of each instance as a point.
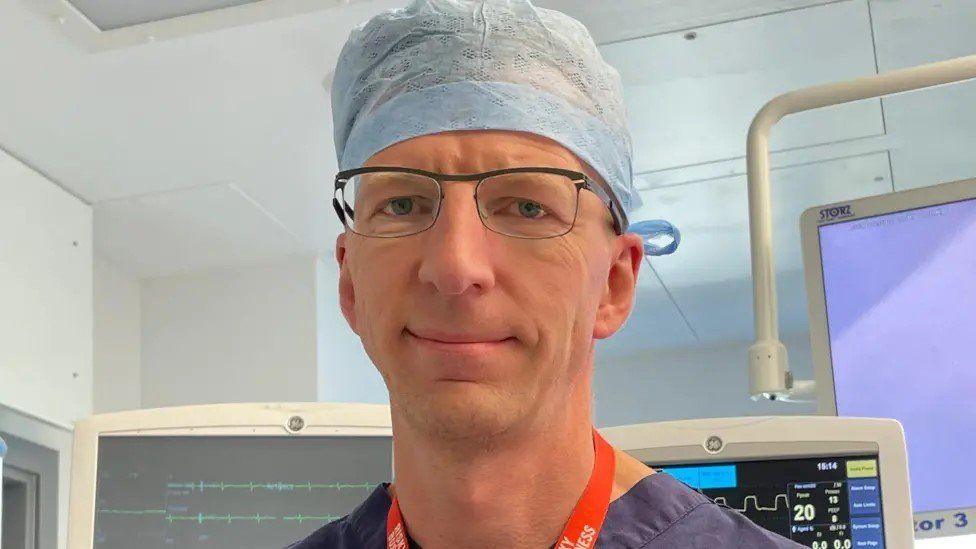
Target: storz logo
(836, 212)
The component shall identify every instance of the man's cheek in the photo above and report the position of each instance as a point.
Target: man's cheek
(376, 327)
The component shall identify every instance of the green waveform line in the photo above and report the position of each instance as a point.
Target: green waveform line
(200, 518)
(276, 486)
(301, 518)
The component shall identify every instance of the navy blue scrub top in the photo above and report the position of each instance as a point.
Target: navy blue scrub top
(658, 512)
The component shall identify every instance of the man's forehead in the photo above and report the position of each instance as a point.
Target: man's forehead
(473, 151)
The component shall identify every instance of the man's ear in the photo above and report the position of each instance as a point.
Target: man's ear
(618, 296)
(347, 293)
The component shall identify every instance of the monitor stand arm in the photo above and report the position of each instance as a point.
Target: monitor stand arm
(769, 370)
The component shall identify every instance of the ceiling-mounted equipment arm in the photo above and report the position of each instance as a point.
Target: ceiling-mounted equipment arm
(769, 372)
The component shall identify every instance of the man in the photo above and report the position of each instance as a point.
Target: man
(485, 187)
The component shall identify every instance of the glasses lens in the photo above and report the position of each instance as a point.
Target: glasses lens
(390, 204)
(528, 204)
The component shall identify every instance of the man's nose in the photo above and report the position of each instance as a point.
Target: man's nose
(457, 254)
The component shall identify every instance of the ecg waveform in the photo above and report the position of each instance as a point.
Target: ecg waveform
(200, 486)
(755, 502)
(197, 489)
(301, 518)
(200, 518)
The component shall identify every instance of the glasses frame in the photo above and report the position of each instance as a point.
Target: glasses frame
(580, 180)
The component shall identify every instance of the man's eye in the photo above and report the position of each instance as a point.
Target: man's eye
(402, 205)
(530, 209)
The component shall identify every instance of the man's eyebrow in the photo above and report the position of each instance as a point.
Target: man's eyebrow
(382, 177)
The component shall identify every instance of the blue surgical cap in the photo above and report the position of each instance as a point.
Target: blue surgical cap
(443, 65)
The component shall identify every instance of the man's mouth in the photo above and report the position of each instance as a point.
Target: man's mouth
(459, 341)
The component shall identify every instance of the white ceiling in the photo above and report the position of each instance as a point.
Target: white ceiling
(215, 149)
(242, 106)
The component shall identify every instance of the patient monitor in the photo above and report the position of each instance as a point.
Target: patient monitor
(892, 300)
(226, 476)
(824, 482)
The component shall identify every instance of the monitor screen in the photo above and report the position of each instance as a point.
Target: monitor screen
(823, 502)
(229, 492)
(900, 292)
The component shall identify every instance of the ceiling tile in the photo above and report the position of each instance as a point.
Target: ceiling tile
(654, 322)
(194, 229)
(628, 19)
(935, 128)
(691, 101)
(914, 32)
(10, 166)
(710, 275)
(936, 134)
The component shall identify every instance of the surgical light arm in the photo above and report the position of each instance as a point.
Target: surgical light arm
(769, 371)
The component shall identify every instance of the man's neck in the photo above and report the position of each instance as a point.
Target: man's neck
(514, 490)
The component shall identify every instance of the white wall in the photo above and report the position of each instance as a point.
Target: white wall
(45, 315)
(118, 339)
(272, 331)
(345, 372)
(245, 334)
(686, 383)
(45, 296)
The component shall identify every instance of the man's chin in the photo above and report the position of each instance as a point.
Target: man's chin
(462, 410)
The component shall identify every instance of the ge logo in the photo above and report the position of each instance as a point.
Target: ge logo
(296, 423)
(714, 444)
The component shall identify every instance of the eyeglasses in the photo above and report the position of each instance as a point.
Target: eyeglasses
(524, 202)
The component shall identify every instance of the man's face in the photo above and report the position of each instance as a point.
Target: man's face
(475, 332)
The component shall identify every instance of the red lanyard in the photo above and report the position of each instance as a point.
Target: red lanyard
(584, 524)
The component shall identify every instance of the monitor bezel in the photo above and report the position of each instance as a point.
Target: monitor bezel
(863, 208)
(232, 419)
(783, 437)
